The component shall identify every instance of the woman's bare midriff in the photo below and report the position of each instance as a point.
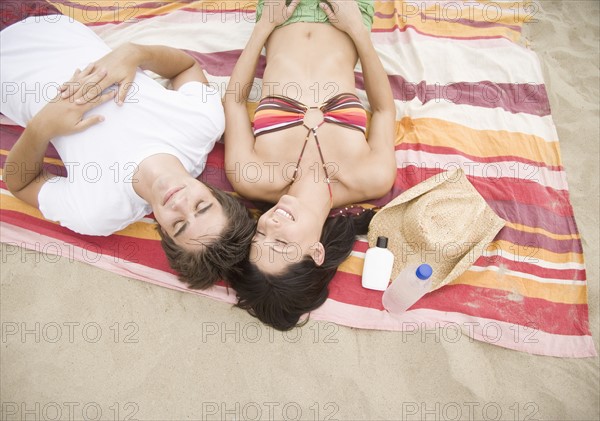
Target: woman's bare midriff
(309, 62)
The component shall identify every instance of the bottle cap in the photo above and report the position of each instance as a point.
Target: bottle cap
(382, 242)
(424, 272)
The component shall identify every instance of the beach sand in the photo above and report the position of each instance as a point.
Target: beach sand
(129, 348)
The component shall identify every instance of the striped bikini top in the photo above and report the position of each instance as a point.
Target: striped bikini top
(276, 113)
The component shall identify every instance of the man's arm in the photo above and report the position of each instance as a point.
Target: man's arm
(23, 173)
(120, 66)
(170, 63)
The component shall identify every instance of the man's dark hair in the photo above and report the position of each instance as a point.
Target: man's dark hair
(219, 259)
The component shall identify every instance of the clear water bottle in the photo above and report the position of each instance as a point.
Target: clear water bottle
(408, 287)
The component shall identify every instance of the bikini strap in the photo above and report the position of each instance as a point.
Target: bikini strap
(327, 179)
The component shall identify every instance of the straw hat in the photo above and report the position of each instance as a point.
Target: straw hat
(442, 221)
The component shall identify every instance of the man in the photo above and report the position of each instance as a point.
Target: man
(122, 161)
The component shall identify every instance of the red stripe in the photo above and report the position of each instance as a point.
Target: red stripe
(505, 205)
(121, 248)
(512, 97)
(536, 313)
(526, 192)
(558, 318)
(221, 63)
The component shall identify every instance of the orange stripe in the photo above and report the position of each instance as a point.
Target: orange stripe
(531, 254)
(548, 234)
(481, 143)
(353, 265)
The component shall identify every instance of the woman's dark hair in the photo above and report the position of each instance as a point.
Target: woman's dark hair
(280, 300)
(219, 259)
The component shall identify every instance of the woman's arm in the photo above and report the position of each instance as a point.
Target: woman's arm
(345, 16)
(239, 138)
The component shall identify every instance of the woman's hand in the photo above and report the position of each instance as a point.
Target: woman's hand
(276, 13)
(117, 67)
(62, 116)
(344, 15)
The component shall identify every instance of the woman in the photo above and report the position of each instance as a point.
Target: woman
(122, 162)
(306, 150)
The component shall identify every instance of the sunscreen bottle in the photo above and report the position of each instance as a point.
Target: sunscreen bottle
(378, 266)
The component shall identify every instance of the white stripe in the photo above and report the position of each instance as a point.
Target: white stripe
(437, 60)
(205, 32)
(274, 126)
(532, 260)
(358, 254)
(527, 276)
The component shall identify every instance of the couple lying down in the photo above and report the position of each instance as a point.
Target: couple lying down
(158, 139)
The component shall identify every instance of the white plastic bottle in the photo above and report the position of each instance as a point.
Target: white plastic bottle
(408, 287)
(378, 266)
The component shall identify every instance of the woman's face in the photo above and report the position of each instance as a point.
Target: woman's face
(187, 211)
(285, 234)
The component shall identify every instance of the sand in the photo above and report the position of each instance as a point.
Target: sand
(122, 348)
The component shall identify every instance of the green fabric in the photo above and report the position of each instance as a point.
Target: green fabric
(309, 11)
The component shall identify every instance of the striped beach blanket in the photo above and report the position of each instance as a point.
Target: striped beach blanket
(467, 94)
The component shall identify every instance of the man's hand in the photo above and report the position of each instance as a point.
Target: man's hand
(117, 67)
(63, 116)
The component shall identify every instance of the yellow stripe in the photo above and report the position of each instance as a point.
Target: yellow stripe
(140, 229)
(532, 254)
(542, 231)
(47, 160)
(480, 143)
(558, 293)
(352, 265)
(442, 18)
